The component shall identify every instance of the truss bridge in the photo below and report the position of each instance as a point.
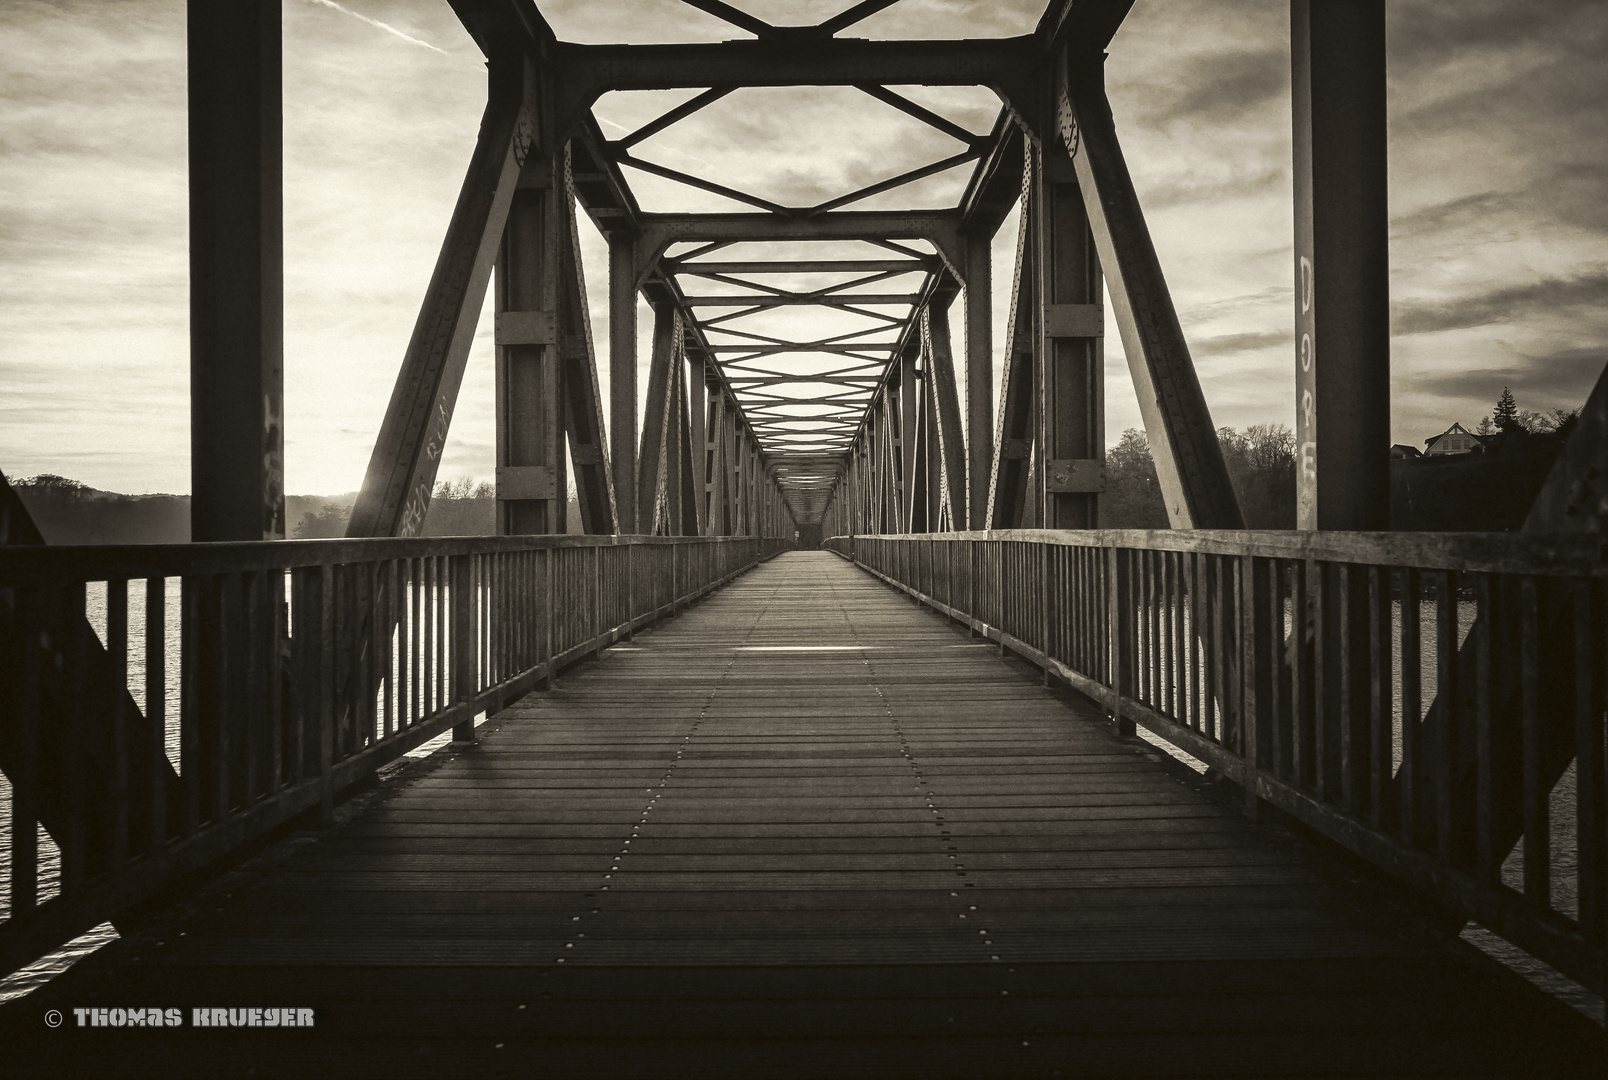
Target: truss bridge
(803, 718)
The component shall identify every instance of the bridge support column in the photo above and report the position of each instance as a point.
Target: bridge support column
(1071, 353)
(656, 490)
(237, 370)
(1342, 265)
(629, 516)
(1009, 495)
(979, 377)
(532, 477)
(698, 441)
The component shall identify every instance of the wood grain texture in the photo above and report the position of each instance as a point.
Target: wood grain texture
(805, 829)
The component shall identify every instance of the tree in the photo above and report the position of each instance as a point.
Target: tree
(1261, 466)
(1506, 414)
(1486, 427)
(1132, 498)
(328, 522)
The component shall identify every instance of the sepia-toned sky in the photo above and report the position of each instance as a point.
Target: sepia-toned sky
(1499, 204)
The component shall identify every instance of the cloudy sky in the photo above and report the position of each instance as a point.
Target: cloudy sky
(1499, 204)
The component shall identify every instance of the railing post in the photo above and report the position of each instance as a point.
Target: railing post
(630, 590)
(548, 554)
(325, 698)
(1119, 624)
(464, 675)
(1044, 608)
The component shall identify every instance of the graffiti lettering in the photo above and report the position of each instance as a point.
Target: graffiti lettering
(1309, 460)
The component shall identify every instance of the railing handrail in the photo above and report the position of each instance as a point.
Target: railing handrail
(1541, 554)
(101, 562)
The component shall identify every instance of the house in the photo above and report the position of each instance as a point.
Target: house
(1454, 440)
(1402, 450)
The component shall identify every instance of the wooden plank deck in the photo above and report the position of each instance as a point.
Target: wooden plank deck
(803, 830)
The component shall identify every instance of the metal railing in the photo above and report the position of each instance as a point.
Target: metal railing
(147, 732)
(1432, 701)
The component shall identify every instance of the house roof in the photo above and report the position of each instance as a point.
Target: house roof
(1457, 429)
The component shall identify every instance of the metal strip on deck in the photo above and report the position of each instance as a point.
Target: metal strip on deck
(804, 829)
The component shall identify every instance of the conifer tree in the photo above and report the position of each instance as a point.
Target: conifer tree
(1506, 414)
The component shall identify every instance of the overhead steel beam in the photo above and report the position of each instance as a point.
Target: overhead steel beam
(1189, 462)
(237, 361)
(1087, 25)
(1005, 65)
(402, 469)
(801, 266)
(996, 185)
(941, 228)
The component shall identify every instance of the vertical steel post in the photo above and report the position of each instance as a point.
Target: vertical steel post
(698, 437)
(531, 472)
(236, 272)
(979, 376)
(1342, 264)
(1071, 353)
(623, 382)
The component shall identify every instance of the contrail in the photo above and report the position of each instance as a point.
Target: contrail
(387, 27)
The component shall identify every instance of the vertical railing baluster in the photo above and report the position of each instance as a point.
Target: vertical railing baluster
(1537, 837)
(461, 575)
(1317, 585)
(1380, 750)
(1250, 668)
(190, 681)
(1412, 704)
(1279, 716)
(254, 717)
(1446, 691)
(1343, 727)
(156, 706)
(1591, 807)
(117, 655)
(1487, 865)
(30, 767)
(326, 693)
(1300, 675)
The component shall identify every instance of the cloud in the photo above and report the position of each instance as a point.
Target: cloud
(387, 27)
(1221, 86)
(1503, 305)
(1242, 342)
(1566, 377)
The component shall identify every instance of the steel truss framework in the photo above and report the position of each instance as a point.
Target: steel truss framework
(748, 429)
(887, 450)
(751, 430)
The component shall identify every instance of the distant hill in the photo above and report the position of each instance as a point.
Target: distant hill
(69, 512)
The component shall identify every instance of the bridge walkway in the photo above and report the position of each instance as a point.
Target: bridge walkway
(803, 830)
